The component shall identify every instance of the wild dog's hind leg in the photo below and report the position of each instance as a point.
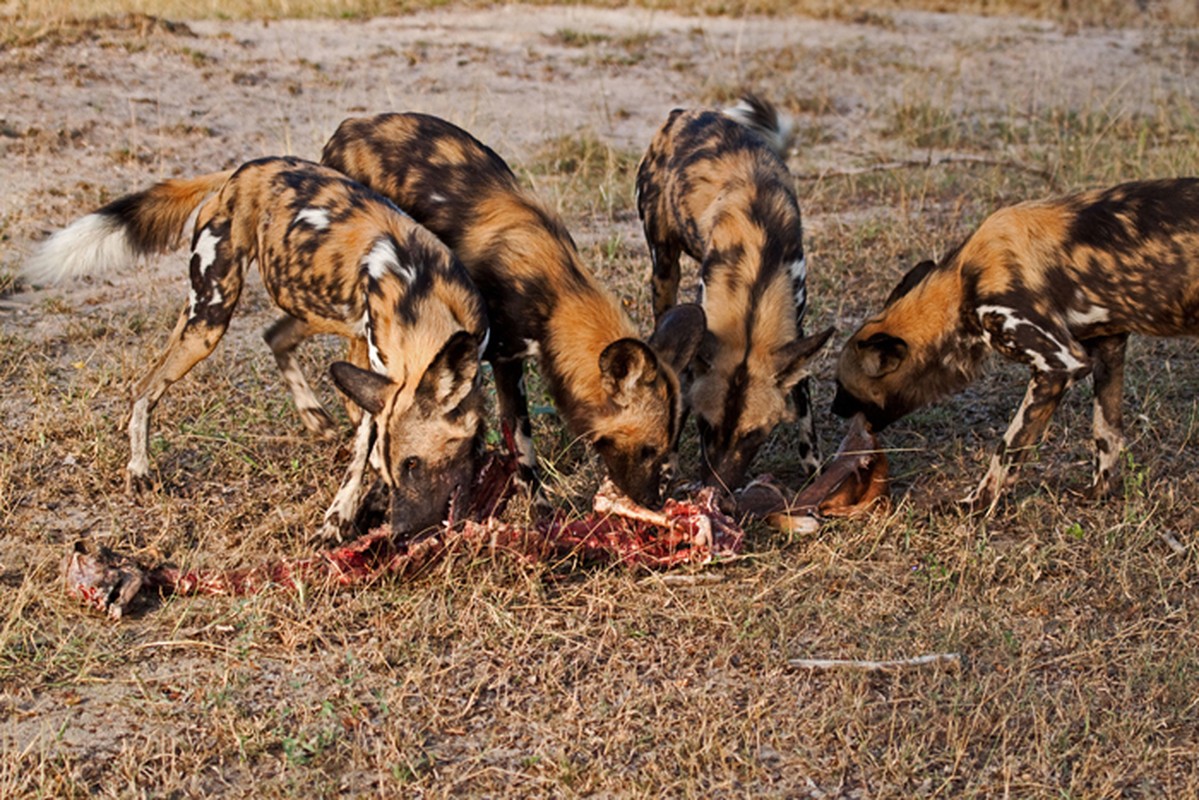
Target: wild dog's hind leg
(216, 284)
(283, 337)
(1108, 423)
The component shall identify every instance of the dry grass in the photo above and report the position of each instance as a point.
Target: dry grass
(1077, 623)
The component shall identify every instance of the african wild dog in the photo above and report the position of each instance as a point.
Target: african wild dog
(713, 185)
(610, 387)
(336, 258)
(1058, 285)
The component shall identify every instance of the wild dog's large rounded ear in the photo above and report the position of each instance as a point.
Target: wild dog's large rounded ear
(881, 353)
(624, 365)
(910, 280)
(367, 389)
(678, 335)
(793, 357)
(451, 375)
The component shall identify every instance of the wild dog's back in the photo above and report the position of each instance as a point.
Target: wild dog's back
(713, 185)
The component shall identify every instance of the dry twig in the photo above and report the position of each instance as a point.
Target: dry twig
(873, 666)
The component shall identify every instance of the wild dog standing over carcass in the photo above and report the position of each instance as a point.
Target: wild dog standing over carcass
(713, 185)
(610, 387)
(336, 258)
(1058, 285)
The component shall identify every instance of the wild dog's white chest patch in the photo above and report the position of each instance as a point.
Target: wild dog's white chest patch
(1009, 332)
(532, 349)
(372, 349)
(317, 218)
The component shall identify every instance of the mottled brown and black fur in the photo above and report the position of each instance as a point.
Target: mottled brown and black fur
(713, 185)
(610, 387)
(1058, 285)
(336, 258)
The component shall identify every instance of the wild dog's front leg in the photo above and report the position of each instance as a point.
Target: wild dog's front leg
(1057, 360)
(514, 414)
(1044, 393)
(1108, 421)
(809, 444)
(344, 508)
(666, 276)
(283, 337)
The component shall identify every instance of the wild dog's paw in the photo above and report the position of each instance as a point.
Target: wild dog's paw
(138, 483)
(331, 532)
(1101, 488)
(318, 421)
(980, 502)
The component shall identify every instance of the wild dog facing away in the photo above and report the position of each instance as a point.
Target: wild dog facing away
(714, 186)
(336, 258)
(617, 391)
(1058, 285)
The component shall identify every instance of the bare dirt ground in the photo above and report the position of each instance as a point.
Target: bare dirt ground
(1077, 623)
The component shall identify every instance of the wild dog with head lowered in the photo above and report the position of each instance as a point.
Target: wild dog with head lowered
(617, 391)
(713, 185)
(336, 258)
(1058, 285)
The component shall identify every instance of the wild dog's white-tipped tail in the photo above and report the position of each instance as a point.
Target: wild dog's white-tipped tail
(761, 116)
(95, 243)
(150, 221)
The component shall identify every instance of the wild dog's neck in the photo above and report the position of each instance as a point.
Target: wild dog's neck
(932, 311)
(934, 323)
(549, 297)
(582, 323)
(403, 350)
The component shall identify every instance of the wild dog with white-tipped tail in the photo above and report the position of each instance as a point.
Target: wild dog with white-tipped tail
(336, 258)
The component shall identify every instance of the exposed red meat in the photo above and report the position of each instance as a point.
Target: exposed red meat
(618, 531)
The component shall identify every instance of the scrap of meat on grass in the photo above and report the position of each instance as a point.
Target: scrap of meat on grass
(692, 530)
(619, 531)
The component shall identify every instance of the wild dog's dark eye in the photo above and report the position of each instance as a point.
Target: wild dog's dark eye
(411, 465)
(649, 453)
(604, 444)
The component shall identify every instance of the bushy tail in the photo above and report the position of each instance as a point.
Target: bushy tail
(149, 221)
(760, 115)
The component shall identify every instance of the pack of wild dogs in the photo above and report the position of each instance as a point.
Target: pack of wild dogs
(416, 242)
